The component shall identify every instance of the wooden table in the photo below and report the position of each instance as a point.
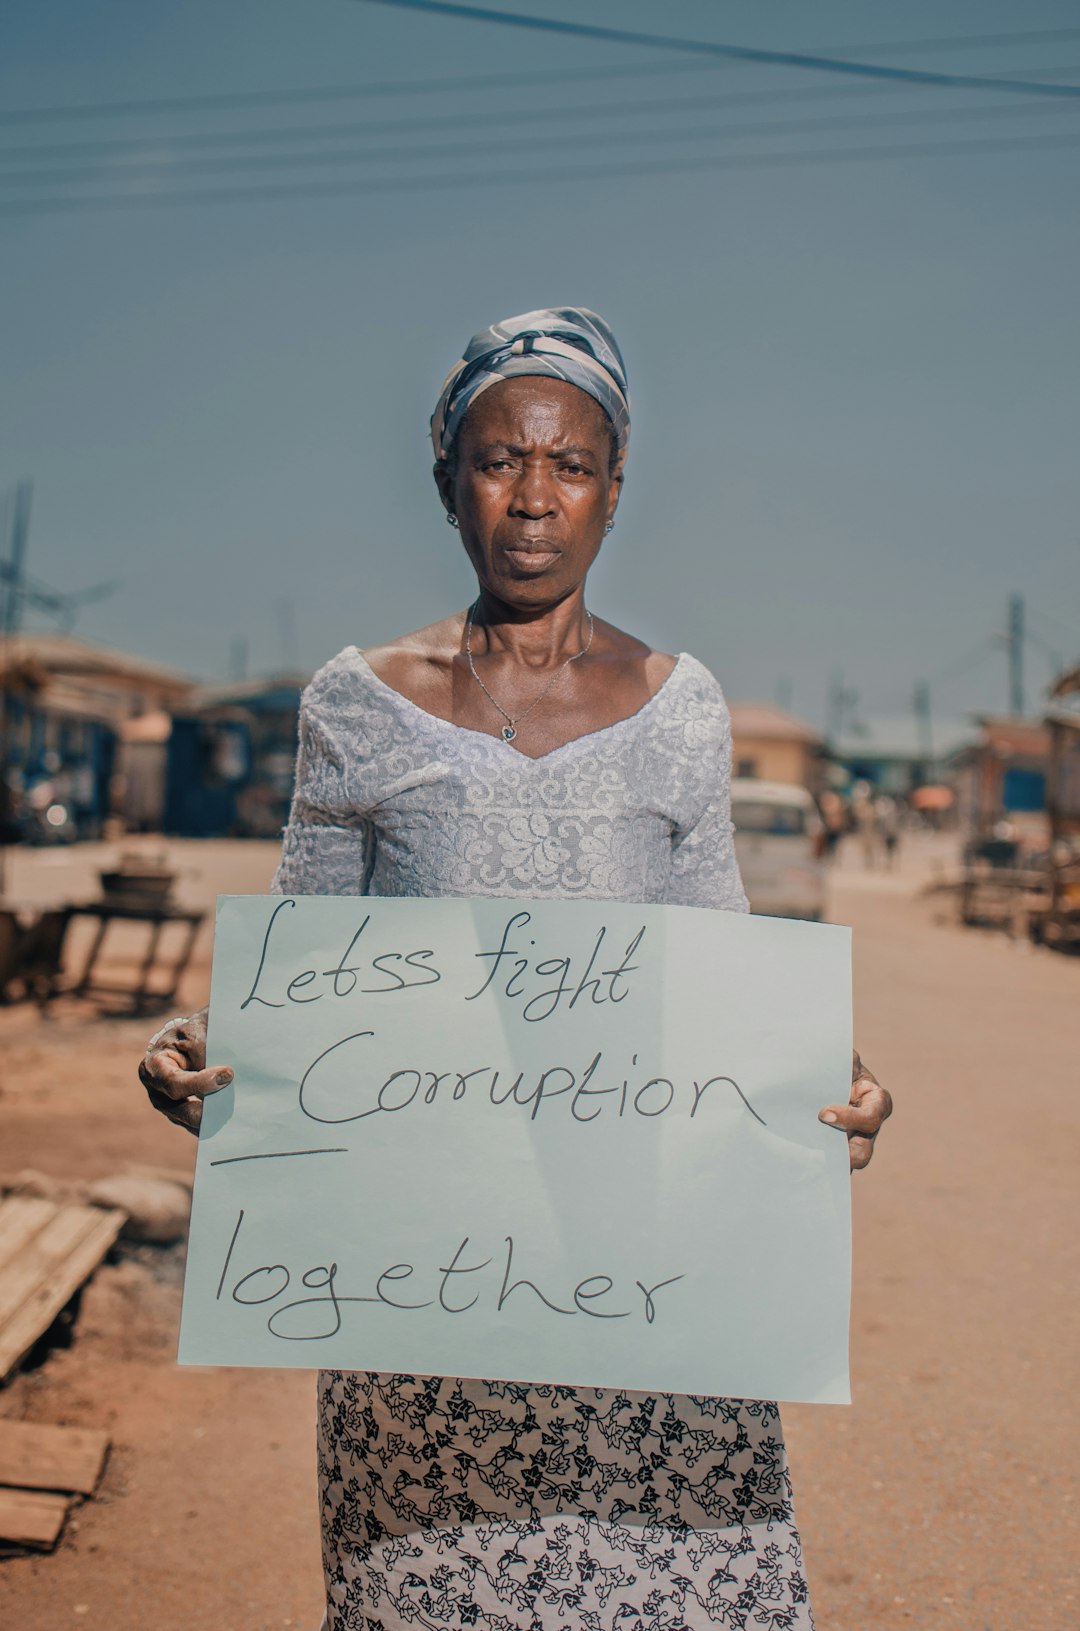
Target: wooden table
(145, 993)
(31, 949)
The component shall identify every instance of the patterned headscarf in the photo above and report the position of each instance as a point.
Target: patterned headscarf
(569, 343)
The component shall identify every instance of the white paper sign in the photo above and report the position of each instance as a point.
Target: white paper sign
(548, 1141)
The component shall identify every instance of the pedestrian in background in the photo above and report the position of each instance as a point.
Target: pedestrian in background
(864, 817)
(887, 820)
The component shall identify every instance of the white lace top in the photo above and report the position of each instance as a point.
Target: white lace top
(453, 1503)
(391, 800)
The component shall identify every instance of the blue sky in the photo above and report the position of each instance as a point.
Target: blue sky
(855, 384)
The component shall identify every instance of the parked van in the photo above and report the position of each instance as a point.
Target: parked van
(779, 844)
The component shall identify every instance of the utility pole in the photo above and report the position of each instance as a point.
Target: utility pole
(286, 611)
(238, 658)
(17, 591)
(13, 568)
(842, 707)
(835, 714)
(923, 726)
(11, 580)
(1015, 644)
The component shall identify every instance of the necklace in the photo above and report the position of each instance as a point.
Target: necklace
(510, 729)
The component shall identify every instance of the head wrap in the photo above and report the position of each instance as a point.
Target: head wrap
(567, 342)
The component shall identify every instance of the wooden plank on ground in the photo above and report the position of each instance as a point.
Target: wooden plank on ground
(35, 1456)
(28, 1518)
(51, 1266)
(21, 1218)
(40, 1256)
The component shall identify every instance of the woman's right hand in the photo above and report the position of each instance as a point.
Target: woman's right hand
(174, 1072)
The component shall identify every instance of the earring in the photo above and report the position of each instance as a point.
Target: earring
(609, 528)
(451, 519)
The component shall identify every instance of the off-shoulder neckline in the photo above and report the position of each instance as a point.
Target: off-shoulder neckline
(681, 660)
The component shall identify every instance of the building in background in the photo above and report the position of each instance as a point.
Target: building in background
(1062, 923)
(229, 759)
(1001, 780)
(142, 761)
(769, 744)
(66, 706)
(895, 754)
(1063, 771)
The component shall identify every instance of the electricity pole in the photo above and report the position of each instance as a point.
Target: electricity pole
(842, 705)
(238, 658)
(11, 571)
(1015, 643)
(11, 583)
(835, 716)
(923, 725)
(286, 610)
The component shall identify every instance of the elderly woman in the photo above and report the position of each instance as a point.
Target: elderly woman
(525, 747)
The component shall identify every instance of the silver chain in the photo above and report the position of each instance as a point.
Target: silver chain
(510, 729)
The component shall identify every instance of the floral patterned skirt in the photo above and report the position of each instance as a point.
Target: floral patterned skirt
(451, 1503)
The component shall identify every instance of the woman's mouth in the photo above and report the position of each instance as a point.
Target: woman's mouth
(530, 558)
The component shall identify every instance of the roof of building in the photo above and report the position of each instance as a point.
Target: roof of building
(765, 720)
(1067, 683)
(748, 787)
(1065, 713)
(1007, 734)
(270, 691)
(900, 737)
(63, 654)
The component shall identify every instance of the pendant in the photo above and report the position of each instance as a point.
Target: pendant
(508, 733)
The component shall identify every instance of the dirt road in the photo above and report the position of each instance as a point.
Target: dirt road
(944, 1499)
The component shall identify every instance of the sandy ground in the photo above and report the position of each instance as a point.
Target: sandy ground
(944, 1498)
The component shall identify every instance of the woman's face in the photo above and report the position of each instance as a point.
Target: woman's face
(532, 488)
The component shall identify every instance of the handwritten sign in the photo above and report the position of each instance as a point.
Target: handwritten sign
(548, 1141)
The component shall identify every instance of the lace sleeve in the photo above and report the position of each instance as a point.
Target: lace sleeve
(704, 870)
(328, 847)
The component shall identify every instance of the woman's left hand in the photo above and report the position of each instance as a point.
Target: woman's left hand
(861, 1118)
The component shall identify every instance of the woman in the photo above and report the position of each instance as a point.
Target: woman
(524, 747)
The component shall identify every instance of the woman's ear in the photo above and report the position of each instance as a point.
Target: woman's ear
(444, 482)
(614, 495)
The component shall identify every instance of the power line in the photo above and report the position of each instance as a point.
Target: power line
(454, 181)
(237, 100)
(167, 166)
(734, 53)
(425, 87)
(1058, 626)
(1055, 662)
(479, 120)
(987, 647)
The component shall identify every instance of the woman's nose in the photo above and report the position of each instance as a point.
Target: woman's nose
(534, 493)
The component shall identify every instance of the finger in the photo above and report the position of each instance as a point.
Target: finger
(869, 1105)
(166, 1036)
(184, 1112)
(170, 1076)
(869, 1097)
(165, 1070)
(859, 1070)
(864, 1118)
(860, 1151)
(185, 1036)
(869, 1090)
